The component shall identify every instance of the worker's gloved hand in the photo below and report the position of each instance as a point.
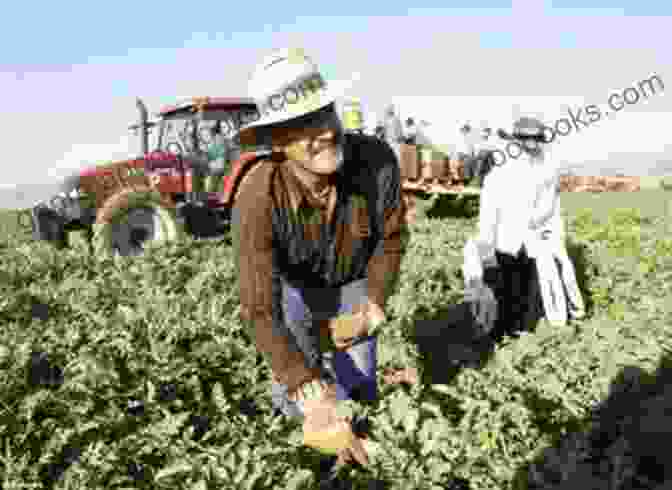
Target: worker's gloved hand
(348, 326)
(483, 304)
(323, 428)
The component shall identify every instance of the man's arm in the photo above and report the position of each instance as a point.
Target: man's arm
(547, 202)
(253, 249)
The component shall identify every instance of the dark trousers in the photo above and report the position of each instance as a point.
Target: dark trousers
(515, 284)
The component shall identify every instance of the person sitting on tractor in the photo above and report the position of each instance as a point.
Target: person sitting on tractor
(211, 164)
(319, 234)
(218, 155)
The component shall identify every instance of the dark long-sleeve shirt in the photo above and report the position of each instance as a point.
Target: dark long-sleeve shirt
(280, 230)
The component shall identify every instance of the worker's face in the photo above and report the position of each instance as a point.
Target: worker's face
(315, 143)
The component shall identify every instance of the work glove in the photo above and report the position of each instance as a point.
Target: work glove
(483, 304)
(347, 327)
(324, 428)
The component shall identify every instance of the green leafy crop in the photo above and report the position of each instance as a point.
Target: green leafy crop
(115, 371)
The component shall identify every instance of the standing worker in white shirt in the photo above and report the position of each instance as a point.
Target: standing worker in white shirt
(515, 216)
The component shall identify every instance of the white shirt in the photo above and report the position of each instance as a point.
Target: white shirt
(547, 211)
(506, 200)
(518, 199)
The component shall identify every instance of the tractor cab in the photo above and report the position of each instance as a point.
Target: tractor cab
(195, 146)
(196, 155)
(188, 128)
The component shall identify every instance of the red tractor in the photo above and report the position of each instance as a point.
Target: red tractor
(182, 186)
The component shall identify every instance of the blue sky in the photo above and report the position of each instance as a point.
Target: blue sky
(79, 65)
(76, 32)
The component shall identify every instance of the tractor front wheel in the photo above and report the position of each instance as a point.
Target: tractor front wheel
(130, 220)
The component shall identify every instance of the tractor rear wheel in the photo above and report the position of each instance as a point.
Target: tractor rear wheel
(131, 219)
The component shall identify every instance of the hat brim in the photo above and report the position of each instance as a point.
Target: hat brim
(505, 135)
(322, 100)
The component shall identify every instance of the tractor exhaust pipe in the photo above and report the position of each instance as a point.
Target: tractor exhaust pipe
(143, 126)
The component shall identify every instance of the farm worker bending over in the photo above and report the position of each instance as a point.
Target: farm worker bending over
(319, 235)
(508, 238)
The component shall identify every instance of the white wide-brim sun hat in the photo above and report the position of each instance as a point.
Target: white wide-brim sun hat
(286, 85)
